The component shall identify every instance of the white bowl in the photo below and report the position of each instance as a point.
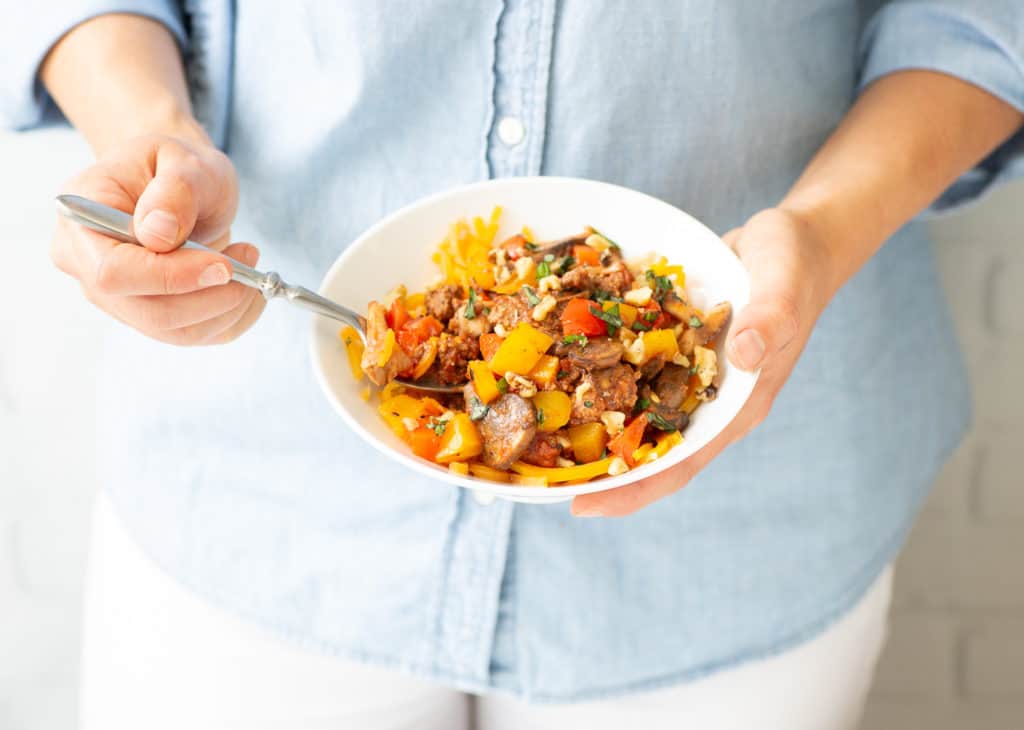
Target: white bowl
(397, 250)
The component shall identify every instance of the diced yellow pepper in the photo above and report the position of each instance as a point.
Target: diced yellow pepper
(588, 441)
(354, 349)
(396, 409)
(553, 409)
(660, 342)
(460, 441)
(564, 473)
(427, 359)
(387, 349)
(416, 301)
(487, 472)
(545, 372)
(484, 382)
(527, 233)
(521, 350)
(459, 467)
(662, 268)
(627, 312)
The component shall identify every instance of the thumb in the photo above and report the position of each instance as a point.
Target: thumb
(773, 318)
(184, 190)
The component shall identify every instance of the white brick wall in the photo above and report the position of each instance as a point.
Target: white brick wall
(956, 656)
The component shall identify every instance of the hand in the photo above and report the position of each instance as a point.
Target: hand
(791, 282)
(176, 189)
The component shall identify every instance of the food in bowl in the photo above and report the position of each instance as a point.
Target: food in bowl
(577, 363)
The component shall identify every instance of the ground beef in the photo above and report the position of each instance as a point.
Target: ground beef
(453, 355)
(508, 310)
(440, 302)
(542, 451)
(607, 389)
(615, 279)
(569, 374)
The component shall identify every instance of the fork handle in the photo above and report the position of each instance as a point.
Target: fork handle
(117, 224)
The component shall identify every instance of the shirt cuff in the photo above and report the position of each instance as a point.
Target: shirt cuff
(960, 39)
(28, 36)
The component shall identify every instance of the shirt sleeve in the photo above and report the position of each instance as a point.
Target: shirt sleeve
(27, 37)
(979, 41)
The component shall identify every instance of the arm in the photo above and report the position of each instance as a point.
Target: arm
(119, 78)
(909, 135)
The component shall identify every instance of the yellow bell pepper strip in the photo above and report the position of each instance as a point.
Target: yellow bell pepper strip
(557, 474)
(484, 383)
(354, 349)
(553, 409)
(415, 302)
(459, 467)
(666, 442)
(641, 454)
(521, 350)
(545, 372)
(662, 268)
(588, 441)
(483, 471)
(426, 359)
(460, 441)
(525, 481)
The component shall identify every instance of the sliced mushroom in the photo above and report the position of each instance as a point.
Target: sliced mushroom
(715, 321)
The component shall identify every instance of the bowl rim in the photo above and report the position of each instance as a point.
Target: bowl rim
(747, 380)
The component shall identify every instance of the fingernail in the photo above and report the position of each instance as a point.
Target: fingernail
(748, 348)
(214, 275)
(589, 512)
(161, 224)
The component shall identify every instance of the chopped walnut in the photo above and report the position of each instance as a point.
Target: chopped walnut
(614, 422)
(706, 362)
(521, 386)
(638, 297)
(543, 308)
(617, 466)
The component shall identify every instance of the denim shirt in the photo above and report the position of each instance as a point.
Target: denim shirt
(232, 472)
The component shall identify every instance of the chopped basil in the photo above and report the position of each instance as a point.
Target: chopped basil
(438, 425)
(531, 296)
(604, 453)
(477, 408)
(540, 415)
(660, 284)
(605, 296)
(639, 326)
(562, 374)
(502, 385)
(610, 317)
(348, 339)
(651, 315)
(549, 257)
(695, 322)
(570, 339)
(588, 403)
(693, 370)
(658, 421)
(485, 311)
(566, 264)
(470, 311)
(531, 246)
(543, 269)
(642, 403)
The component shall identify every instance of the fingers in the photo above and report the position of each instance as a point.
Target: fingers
(205, 316)
(186, 186)
(130, 270)
(779, 306)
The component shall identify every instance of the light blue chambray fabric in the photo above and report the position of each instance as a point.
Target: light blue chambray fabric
(231, 470)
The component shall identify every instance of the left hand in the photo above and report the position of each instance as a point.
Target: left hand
(791, 282)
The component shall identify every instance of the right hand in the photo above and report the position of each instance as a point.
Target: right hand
(176, 190)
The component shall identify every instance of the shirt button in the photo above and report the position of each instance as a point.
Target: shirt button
(511, 131)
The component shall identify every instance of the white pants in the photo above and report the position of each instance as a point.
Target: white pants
(156, 656)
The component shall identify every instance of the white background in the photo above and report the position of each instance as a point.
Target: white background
(956, 657)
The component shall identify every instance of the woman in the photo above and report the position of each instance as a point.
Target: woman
(813, 132)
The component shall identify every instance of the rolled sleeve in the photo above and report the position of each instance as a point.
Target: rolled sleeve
(978, 41)
(30, 34)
